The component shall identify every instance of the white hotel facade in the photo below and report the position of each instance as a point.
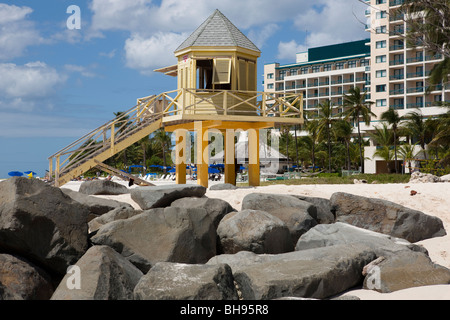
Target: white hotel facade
(393, 73)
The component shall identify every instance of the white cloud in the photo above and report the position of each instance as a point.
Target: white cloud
(22, 86)
(334, 22)
(260, 36)
(84, 71)
(288, 50)
(147, 54)
(16, 32)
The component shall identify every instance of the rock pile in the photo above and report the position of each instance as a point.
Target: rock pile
(62, 245)
(419, 177)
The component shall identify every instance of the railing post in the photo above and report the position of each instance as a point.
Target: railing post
(183, 101)
(50, 169)
(225, 103)
(57, 171)
(263, 104)
(112, 138)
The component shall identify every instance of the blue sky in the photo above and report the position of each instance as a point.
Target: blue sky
(58, 84)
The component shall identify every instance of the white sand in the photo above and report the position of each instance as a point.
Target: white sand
(431, 198)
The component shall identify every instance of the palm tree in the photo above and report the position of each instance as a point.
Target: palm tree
(357, 107)
(384, 138)
(417, 127)
(162, 139)
(325, 121)
(407, 152)
(392, 117)
(343, 132)
(442, 137)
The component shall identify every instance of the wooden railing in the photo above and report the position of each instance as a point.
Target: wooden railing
(147, 116)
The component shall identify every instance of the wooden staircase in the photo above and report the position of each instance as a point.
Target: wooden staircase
(105, 141)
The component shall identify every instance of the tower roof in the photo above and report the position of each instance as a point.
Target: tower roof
(217, 31)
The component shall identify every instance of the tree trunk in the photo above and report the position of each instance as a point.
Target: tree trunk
(395, 152)
(329, 150)
(296, 145)
(360, 147)
(348, 156)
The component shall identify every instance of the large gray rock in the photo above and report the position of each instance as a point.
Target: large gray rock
(102, 187)
(184, 235)
(42, 224)
(163, 196)
(253, 230)
(96, 205)
(103, 274)
(223, 186)
(216, 208)
(386, 217)
(176, 281)
(339, 233)
(113, 215)
(317, 273)
(323, 207)
(405, 270)
(21, 280)
(298, 215)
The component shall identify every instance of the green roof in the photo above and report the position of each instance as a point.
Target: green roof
(339, 50)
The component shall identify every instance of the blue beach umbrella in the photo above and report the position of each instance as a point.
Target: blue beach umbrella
(213, 170)
(15, 174)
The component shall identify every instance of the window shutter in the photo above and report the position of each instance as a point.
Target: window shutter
(251, 76)
(242, 75)
(222, 71)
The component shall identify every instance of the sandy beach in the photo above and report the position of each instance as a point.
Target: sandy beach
(431, 198)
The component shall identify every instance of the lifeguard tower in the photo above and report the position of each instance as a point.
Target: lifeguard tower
(217, 89)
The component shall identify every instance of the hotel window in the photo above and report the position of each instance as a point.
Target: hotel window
(327, 67)
(364, 62)
(293, 72)
(380, 59)
(339, 65)
(315, 69)
(381, 88)
(381, 14)
(380, 1)
(381, 73)
(352, 64)
(304, 70)
(270, 76)
(381, 44)
(270, 86)
(381, 29)
(381, 102)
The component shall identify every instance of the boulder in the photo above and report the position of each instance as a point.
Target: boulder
(223, 186)
(323, 207)
(113, 215)
(419, 177)
(184, 235)
(163, 196)
(103, 275)
(253, 230)
(404, 270)
(21, 280)
(339, 233)
(102, 187)
(42, 224)
(317, 273)
(216, 208)
(96, 205)
(298, 215)
(176, 281)
(385, 217)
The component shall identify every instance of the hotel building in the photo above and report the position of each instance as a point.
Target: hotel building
(393, 73)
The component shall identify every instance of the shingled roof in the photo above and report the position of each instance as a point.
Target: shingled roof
(217, 31)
